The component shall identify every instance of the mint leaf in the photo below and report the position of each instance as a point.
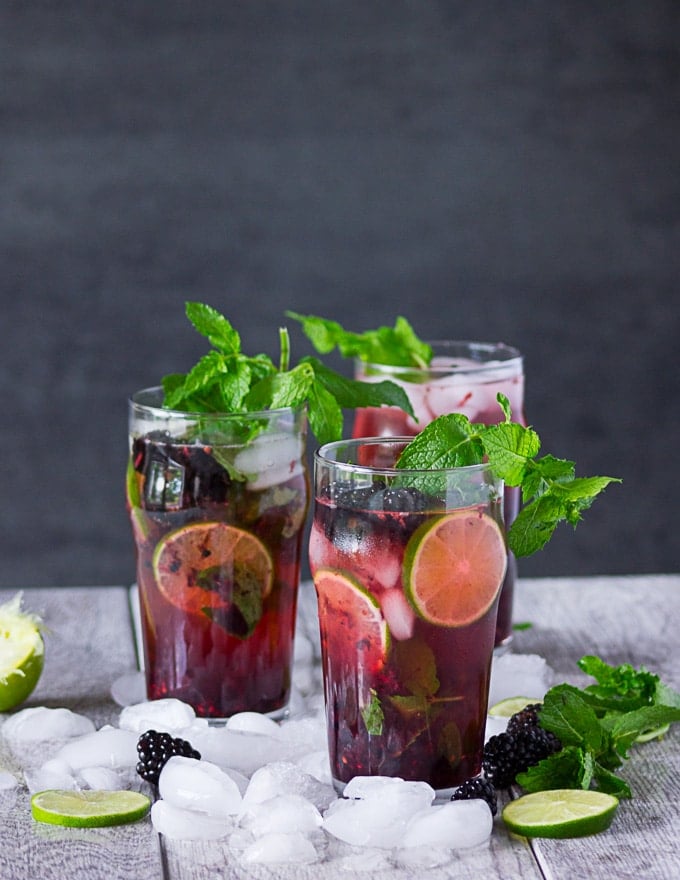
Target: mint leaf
(393, 346)
(226, 380)
(351, 393)
(417, 667)
(572, 767)
(448, 442)
(509, 447)
(373, 716)
(215, 326)
(325, 415)
(610, 783)
(625, 728)
(534, 525)
(618, 687)
(566, 714)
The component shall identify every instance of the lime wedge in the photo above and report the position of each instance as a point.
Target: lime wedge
(510, 706)
(89, 809)
(21, 653)
(558, 813)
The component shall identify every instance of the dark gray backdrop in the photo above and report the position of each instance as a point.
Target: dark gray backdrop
(490, 170)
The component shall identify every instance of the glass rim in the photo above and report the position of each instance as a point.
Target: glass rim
(507, 356)
(321, 457)
(160, 411)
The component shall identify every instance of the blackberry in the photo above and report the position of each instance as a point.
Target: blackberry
(528, 717)
(155, 750)
(477, 788)
(507, 754)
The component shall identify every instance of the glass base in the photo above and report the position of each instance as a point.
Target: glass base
(442, 795)
(275, 715)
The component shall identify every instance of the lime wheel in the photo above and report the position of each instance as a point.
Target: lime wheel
(350, 619)
(208, 567)
(454, 567)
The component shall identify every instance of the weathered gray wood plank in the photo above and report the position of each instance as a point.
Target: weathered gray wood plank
(88, 645)
(624, 620)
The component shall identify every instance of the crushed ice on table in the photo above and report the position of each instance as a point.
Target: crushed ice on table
(190, 784)
(264, 786)
(40, 723)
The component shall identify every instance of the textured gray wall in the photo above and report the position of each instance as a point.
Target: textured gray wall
(490, 170)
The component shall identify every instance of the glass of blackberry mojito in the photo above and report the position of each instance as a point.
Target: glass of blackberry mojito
(217, 504)
(463, 377)
(408, 567)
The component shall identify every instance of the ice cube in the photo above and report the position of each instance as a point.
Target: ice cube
(7, 781)
(166, 716)
(284, 777)
(107, 747)
(253, 722)
(375, 810)
(519, 675)
(129, 689)
(317, 765)
(455, 825)
(179, 824)
(42, 723)
(101, 779)
(277, 848)
(283, 813)
(245, 752)
(190, 784)
(398, 613)
(54, 773)
(305, 734)
(271, 459)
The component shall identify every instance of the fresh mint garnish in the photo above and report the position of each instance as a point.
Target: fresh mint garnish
(396, 346)
(226, 380)
(372, 715)
(597, 726)
(551, 491)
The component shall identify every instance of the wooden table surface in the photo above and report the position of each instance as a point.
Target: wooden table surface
(623, 619)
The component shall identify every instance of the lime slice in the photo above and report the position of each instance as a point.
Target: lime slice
(567, 812)
(215, 569)
(511, 706)
(351, 622)
(89, 809)
(22, 653)
(454, 567)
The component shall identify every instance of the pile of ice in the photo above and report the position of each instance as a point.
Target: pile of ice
(261, 786)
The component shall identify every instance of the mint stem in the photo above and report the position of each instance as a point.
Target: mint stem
(284, 340)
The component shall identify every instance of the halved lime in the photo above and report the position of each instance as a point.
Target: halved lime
(89, 809)
(454, 567)
(558, 813)
(22, 653)
(350, 619)
(510, 706)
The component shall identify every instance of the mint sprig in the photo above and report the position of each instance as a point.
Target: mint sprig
(551, 491)
(394, 346)
(597, 726)
(226, 380)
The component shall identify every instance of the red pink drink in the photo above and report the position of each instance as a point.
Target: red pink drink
(218, 520)
(408, 568)
(463, 377)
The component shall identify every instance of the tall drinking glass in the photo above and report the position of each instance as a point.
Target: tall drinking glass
(463, 377)
(408, 567)
(217, 504)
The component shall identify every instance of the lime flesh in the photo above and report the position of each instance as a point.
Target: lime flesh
(21, 653)
(89, 809)
(560, 813)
